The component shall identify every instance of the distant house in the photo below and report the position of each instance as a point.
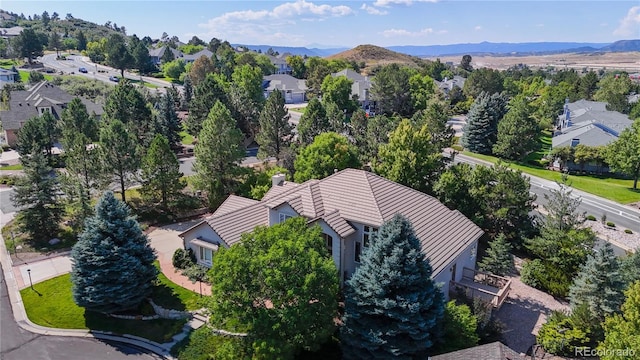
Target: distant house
(39, 99)
(361, 87)
(7, 77)
(294, 90)
(447, 84)
(280, 62)
(7, 33)
(492, 351)
(349, 206)
(588, 123)
(157, 54)
(193, 57)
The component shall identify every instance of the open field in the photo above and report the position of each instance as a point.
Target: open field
(628, 61)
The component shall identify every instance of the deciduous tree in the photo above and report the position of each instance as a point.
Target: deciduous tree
(623, 155)
(328, 152)
(278, 285)
(112, 262)
(517, 131)
(200, 69)
(622, 331)
(392, 306)
(337, 90)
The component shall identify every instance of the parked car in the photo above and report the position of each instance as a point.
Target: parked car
(114, 78)
(83, 70)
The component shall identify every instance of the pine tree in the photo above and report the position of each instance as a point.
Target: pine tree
(126, 104)
(313, 122)
(392, 306)
(168, 123)
(498, 259)
(205, 96)
(187, 88)
(112, 267)
(275, 131)
(38, 191)
(82, 41)
(119, 154)
(599, 284)
(480, 133)
(218, 152)
(161, 176)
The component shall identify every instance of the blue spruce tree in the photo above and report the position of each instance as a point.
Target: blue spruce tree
(481, 131)
(112, 261)
(392, 306)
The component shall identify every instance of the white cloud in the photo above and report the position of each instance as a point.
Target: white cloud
(630, 24)
(406, 33)
(477, 28)
(270, 25)
(373, 11)
(540, 25)
(388, 3)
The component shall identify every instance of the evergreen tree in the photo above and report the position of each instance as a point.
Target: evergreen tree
(630, 268)
(622, 331)
(118, 55)
(82, 41)
(187, 90)
(38, 191)
(140, 55)
(38, 135)
(167, 55)
(392, 306)
(498, 259)
(313, 122)
(562, 207)
(335, 117)
(218, 152)
(161, 176)
(517, 132)
(275, 131)
(119, 154)
(599, 284)
(204, 97)
(167, 121)
(112, 262)
(459, 328)
(126, 104)
(436, 118)
(480, 132)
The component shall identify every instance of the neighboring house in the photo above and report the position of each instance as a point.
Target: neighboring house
(349, 207)
(588, 123)
(447, 84)
(156, 54)
(492, 351)
(294, 90)
(42, 97)
(7, 33)
(193, 57)
(280, 62)
(361, 87)
(7, 77)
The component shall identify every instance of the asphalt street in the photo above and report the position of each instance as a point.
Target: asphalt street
(19, 344)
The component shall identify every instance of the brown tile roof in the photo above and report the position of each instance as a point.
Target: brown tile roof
(233, 203)
(360, 197)
(492, 351)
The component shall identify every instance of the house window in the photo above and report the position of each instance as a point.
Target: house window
(284, 217)
(42, 110)
(367, 233)
(474, 250)
(328, 240)
(358, 251)
(205, 255)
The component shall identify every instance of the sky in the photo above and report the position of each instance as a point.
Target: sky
(346, 23)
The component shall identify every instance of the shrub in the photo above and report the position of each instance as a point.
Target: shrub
(545, 276)
(183, 259)
(531, 271)
(610, 224)
(628, 231)
(591, 218)
(544, 162)
(559, 335)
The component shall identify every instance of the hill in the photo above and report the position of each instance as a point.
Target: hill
(294, 50)
(493, 48)
(623, 46)
(374, 55)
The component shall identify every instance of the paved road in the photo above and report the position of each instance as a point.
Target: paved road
(621, 215)
(19, 344)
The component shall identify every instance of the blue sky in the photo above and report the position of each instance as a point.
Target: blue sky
(349, 23)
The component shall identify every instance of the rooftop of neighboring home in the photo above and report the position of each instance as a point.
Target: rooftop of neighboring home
(25, 104)
(589, 123)
(196, 56)
(448, 84)
(5, 72)
(159, 52)
(284, 82)
(353, 196)
(492, 351)
(361, 84)
(11, 32)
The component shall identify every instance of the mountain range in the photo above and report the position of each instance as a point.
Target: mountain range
(488, 48)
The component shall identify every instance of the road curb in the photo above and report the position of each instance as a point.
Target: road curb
(20, 316)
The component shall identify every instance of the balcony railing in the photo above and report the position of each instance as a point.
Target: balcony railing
(477, 284)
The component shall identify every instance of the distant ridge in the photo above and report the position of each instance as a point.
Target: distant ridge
(294, 50)
(372, 54)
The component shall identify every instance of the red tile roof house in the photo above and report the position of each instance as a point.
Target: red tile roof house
(349, 206)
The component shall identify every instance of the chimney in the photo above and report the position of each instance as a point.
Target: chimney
(277, 179)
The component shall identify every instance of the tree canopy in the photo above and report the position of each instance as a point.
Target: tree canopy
(328, 152)
(623, 155)
(275, 131)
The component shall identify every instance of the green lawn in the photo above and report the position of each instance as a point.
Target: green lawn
(24, 76)
(147, 84)
(51, 304)
(187, 139)
(300, 109)
(618, 190)
(11, 167)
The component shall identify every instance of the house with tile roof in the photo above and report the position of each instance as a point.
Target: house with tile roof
(293, 90)
(193, 57)
(280, 63)
(349, 206)
(492, 351)
(40, 98)
(157, 54)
